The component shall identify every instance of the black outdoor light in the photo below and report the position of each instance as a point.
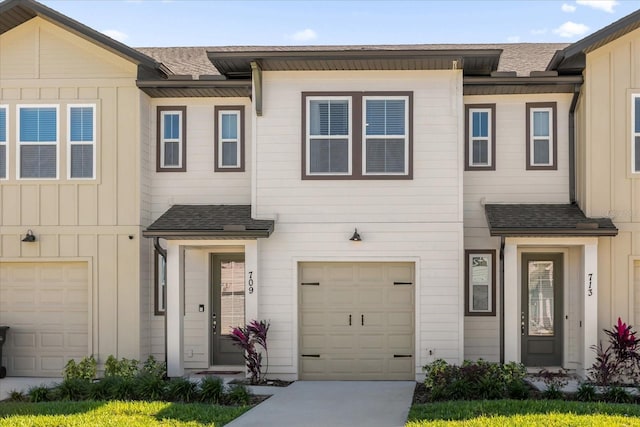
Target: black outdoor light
(29, 237)
(356, 237)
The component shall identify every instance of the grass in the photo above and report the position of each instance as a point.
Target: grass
(116, 413)
(542, 413)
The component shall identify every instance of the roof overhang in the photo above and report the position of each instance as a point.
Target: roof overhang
(471, 61)
(518, 85)
(188, 88)
(545, 220)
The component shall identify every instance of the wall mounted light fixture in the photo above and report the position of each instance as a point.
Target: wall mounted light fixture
(29, 237)
(356, 237)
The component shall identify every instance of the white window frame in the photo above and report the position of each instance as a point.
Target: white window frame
(237, 139)
(179, 140)
(71, 143)
(634, 133)
(19, 144)
(405, 136)
(551, 138)
(5, 143)
(308, 135)
(159, 283)
(486, 278)
(488, 138)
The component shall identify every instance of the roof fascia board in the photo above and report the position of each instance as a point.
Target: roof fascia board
(515, 232)
(584, 44)
(351, 54)
(555, 80)
(177, 234)
(174, 83)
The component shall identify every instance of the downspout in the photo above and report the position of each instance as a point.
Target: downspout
(163, 253)
(502, 242)
(572, 144)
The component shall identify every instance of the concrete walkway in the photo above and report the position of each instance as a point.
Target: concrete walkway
(333, 403)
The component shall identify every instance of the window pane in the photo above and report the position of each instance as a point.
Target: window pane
(637, 153)
(329, 155)
(38, 161)
(540, 151)
(81, 124)
(541, 298)
(480, 301)
(231, 295)
(480, 120)
(82, 161)
(38, 125)
(3, 125)
(230, 154)
(161, 281)
(171, 126)
(637, 113)
(229, 126)
(385, 117)
(329, 117)
(172, 154)
(385, 156)
(480, 155)
(3, 161)
(541, 123)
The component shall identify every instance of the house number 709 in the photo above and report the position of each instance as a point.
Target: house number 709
(250, 283)
(590, 289)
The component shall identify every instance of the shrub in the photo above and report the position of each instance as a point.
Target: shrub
(518, 390)
(246, 338)
(150, 387)
(619, 362)
(586, 393)
(85, 369)
(617, 394)
(18, 396)
(38, 394)
(73, 389)
(126, 368)
(182, 390)
(121, 388)
(211, 390)
(152, 367)
(239, 395)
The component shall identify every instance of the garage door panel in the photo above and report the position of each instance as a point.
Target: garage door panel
(371, 297)
(46, 307)
(400, 342)
(400, 295)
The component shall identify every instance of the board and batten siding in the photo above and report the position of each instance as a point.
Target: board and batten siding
(78, 220)
(607, 186)
(417, 220)
(510, 182)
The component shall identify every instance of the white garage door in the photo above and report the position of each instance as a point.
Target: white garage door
(356, 321)
(45, 305)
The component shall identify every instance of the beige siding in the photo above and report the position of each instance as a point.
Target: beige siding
(86, 220)
(607, 187)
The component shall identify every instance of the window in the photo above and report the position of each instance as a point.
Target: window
(38, 141)
(541, 133)
(480, 138)
(635, 132)
(386, 140)
(357, 135)
(4, 131)
(160, 283)
(480, 289)
(82, 140)
(172, 139)
(229, 139)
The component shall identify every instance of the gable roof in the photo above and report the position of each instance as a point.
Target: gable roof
(16, 12)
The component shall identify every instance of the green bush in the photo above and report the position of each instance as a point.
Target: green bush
(39, 394)
(122, 388)
(150, 387)
(73, 389)
(152, 367)
(182, 390)
(126, 368)
(586, 393)
(239, 394)
(617, 394)
(474, 380)
(85, 369)
(211, 390)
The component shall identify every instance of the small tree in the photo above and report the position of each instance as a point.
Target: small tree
(255, 332)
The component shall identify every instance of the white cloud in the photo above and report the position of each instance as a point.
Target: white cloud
(513, 39)
(571, 29)
(116, 35)
(568, 8)
(605, 5)
(539, 31)
(305, 35)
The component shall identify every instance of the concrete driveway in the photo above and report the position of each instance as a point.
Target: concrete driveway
(9, 384)
(333, 403)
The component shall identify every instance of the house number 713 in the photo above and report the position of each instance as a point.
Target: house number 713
(250, 282)
(590, 289)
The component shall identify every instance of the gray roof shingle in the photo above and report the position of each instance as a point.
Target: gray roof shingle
(545, 220)
(206, 221)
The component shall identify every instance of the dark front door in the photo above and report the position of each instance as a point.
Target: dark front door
(227, 293)
(541, 317)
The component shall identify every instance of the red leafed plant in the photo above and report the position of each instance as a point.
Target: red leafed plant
(255, 332)
(619, 362)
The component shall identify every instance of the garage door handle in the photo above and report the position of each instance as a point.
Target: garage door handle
(401, 355)
(349, 320)
(310, 355)
(362, 319)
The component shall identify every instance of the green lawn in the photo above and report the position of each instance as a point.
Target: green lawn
(530, 413)
(116, 414)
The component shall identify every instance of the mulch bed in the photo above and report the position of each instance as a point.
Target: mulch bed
(267, 383)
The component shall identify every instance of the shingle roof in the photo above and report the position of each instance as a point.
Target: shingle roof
(519, 57)
(206, 221)
(545, 220)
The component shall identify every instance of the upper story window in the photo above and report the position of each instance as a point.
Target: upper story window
(542, 148)
(229, 139)
(38, 141)
(82, 141)
(363, 135)
(635, 133)
(4, 131)
(480, 137)
(172, 139)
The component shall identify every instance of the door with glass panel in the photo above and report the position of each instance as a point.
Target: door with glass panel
(227, 294)
(542, 307)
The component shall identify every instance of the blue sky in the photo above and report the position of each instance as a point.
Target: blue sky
(141, 23)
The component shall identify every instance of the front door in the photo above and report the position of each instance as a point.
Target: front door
(227, 293)
(541, 317)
